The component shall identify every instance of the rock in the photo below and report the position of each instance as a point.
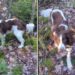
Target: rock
(11, 60)
(7, 55)
(12, 53)
(58, 69)
(10, 48)
(46, 12)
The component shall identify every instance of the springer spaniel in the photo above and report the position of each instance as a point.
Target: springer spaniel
(62, 34)
(60, 29)
(59, 25)
(17, 27)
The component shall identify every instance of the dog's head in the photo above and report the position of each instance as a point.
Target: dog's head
(57, 17)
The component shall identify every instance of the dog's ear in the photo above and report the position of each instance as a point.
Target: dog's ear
(20, 23)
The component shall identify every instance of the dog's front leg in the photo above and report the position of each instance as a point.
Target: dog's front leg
(19, 35)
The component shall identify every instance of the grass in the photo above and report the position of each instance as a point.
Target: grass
(48, 63)
(53, 52)
(44, 19)
(17, 70)
(3, 66)
(31, 41)
(2, 55)
(73, 60)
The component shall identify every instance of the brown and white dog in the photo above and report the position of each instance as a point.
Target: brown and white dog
(58, 26)
(17, 27)
(62, 34)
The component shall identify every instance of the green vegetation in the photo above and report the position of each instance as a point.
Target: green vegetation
(17, 70)
(43, 19)
(9, 37)
(23, 10)
(2, 55)
(44, 36)
(53, 52)
(31, 41)
(48, 63)
(3, 66)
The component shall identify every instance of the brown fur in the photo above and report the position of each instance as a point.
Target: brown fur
(57, 18)
(5, 26)
(68, 35)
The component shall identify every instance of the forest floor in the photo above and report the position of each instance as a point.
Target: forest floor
(15, 61)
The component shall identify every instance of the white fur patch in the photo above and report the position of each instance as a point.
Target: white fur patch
(14, 27)
(47, 12)
(61, 44)
(19, 35)
(0, 21)
(64, 25)
(16, 31)
(10, 19)
(30, 27)
(68, 60)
